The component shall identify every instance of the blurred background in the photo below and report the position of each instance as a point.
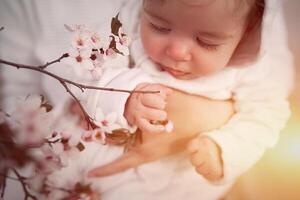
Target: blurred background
(277, 175)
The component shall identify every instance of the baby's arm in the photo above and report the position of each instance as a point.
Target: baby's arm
(262, 110)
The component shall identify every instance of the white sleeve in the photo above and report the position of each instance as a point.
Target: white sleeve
(262, 110)
(261, 105)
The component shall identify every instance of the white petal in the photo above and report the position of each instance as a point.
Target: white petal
(87, 64)
(58, 148)
(74, 139)
(99, 114)
(96, 73)
(112, 117)
(85, 53)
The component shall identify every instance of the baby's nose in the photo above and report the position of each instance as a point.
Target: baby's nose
(178, 51)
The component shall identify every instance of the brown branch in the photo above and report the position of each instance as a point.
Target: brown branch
(3, 183)
(88, 119)
(60, 79)
(24, 186)
(2, 28)
(24, 178)
(9, 177)
(54, 61)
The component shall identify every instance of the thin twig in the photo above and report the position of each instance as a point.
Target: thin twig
(88, 119)
(5, 113)
(54, 61)
(24, 178)
(9, 177)
(24, 185)
(3, 185)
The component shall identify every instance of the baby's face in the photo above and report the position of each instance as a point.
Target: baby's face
(191, 41)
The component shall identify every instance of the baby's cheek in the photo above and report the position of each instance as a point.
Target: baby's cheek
(209, 66)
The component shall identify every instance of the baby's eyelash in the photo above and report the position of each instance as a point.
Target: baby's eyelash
(207, 46)
(160, 29)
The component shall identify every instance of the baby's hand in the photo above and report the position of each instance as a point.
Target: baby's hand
(143, 108)
(205, 156)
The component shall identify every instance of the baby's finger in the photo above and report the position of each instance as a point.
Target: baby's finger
(193, 146)
(147, 127)
(197, 159)
(153, 101)
(154, 114)
(203, 169)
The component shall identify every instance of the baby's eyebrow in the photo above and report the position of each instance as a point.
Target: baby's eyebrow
(148, 12)
(215, 35)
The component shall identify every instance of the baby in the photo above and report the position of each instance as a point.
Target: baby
(222, 50)
(190, 40)
(215, 49)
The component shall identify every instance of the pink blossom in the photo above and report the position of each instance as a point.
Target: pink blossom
(81, 40)
(81, 61)
(31, 121)
(107, 123)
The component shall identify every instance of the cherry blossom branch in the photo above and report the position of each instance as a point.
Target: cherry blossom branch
(64, 82)
(24, 186)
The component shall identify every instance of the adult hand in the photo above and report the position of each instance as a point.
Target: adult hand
(190, 115)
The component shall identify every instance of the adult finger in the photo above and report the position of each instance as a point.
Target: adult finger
(138, 155)
(147, 152)
(154, 114)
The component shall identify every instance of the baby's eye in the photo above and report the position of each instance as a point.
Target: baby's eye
(206, 45)
(159, 28)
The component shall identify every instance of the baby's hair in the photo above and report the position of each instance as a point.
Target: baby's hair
(254, 16)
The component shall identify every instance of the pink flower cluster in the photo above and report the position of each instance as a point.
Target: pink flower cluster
(90, 50)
